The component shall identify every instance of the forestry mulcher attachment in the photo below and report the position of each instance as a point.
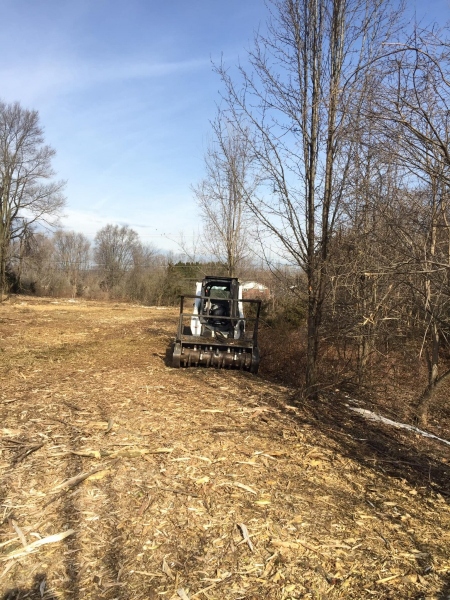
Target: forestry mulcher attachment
(215, 333)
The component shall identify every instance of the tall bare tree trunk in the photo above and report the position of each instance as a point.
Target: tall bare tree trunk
(301, 101)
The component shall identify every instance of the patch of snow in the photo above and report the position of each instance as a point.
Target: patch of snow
(370, 416)
(353, 401)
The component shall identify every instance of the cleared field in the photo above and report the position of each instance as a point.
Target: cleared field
(122, 478)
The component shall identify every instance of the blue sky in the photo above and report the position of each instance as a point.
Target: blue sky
(125, 92)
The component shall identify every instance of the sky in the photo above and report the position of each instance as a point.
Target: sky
(125, 90)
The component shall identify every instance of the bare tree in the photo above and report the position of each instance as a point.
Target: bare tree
(414, 104)
(25, 169)
(34, 266)
(302, 97)
(221, 194)
(430, 247)
(361, 269)
(72, 255)
(115, 251)
(414, 110)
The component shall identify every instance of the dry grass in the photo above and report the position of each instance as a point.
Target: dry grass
(124, 478)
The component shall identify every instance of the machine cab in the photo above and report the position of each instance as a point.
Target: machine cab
(219, 308)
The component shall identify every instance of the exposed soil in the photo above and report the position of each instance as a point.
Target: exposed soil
(123, 478)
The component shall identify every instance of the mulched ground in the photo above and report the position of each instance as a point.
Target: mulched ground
(122, 478)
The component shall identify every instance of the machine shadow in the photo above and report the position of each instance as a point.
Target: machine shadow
(167, 358)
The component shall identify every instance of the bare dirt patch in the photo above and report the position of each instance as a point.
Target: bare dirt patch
(124, 478)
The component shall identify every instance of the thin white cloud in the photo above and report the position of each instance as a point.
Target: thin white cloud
(165, 237)
(32, 82)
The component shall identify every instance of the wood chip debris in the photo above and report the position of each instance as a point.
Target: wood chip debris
(246, 536)
(196, 483)
(19, 533)
(166, 569)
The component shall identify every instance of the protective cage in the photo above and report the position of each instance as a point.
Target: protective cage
(211, 348)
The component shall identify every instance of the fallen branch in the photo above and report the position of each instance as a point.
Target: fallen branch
(27, 451)
(69, 484)
(51, 539)
(77, 479)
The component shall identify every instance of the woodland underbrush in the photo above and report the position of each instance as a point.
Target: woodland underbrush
(392, 382)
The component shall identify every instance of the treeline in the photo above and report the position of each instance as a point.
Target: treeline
(117, 265)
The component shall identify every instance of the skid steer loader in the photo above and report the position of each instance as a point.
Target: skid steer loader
(215, 332)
